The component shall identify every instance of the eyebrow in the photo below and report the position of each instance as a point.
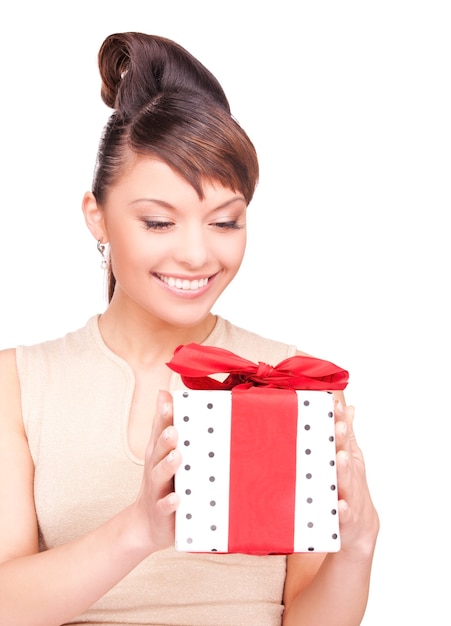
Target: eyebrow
(167, 205)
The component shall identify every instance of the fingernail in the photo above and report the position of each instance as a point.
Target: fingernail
(164, 409)
(170, 456)
(166, 433)
(339, 406)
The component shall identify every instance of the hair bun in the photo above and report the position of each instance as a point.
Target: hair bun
(135, 67)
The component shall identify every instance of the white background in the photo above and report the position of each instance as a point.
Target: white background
(349, 106)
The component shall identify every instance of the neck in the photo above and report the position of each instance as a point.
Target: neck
(144, 341)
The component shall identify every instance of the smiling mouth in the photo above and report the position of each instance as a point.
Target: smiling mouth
(183, 283)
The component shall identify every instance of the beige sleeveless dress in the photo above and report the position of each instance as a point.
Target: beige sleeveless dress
(76, 397)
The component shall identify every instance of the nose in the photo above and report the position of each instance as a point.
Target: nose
(192, 246)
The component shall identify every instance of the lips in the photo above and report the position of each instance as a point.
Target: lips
(184, 283)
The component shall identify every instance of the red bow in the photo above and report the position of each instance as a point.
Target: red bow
(195, 363)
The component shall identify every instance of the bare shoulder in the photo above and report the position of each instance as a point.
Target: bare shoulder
(10, 409)
(300, 353)
(8, 358)
(18, 532)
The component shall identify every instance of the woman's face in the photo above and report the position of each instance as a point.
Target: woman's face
(172, 254)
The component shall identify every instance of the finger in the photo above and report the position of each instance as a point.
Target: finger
(162, 419)
(344, 512)
(166, 443)
(168, 504)
(344, 431)
(344, 474)
(163, 412)
(163, 473)
(345, 413)
(341, 436)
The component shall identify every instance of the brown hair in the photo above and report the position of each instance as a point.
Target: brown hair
(168, 105)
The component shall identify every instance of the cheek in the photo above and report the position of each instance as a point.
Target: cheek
(126, 255)
(120, 251)
(235, 253)
(129, 246)
(227, 247)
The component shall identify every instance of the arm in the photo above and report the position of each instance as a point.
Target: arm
(333, 589)
(78, 573)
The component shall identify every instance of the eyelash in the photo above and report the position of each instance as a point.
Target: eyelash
(228, 225)
(156, 225)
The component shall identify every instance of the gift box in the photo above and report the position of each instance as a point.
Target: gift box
(258, 473)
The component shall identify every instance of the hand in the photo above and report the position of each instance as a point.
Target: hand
(157, 501)
(359, 522)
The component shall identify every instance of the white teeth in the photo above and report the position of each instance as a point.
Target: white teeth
(185, 284)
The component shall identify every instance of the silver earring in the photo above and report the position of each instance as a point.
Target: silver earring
(101, 249)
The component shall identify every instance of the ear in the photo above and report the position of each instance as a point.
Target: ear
(94, 217)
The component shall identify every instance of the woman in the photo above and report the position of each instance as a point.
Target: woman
(86, 474)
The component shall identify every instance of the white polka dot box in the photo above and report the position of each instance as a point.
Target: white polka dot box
(259, 480)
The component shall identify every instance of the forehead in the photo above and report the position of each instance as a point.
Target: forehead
(145, 176)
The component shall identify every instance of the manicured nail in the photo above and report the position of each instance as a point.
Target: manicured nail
(164, 409)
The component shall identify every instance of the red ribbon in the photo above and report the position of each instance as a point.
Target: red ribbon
(262, 471)
(195, 363)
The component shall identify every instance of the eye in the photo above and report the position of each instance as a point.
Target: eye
(156, 225)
